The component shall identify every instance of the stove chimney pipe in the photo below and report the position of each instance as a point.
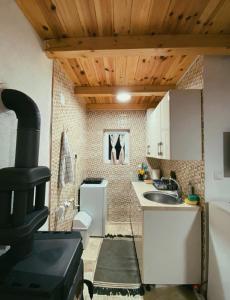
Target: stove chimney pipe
(28, 132)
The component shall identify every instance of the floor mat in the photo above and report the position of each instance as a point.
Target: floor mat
(117, 270)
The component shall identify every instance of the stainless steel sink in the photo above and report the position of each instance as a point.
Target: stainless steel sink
(163, 198)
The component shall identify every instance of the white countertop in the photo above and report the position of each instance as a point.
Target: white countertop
(141, 187)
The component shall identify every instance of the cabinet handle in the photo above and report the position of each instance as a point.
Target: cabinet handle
(160, 153)
(148, 148)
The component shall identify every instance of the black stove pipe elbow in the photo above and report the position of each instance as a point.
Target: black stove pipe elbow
(28, 132)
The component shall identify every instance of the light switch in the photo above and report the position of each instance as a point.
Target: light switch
(218, 175)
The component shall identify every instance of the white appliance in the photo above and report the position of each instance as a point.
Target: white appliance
(219, 251)
(93, 201)
(155, 174)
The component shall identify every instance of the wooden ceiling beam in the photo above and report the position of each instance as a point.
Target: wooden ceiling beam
(116, 106)
(155, 45)
(107, 91)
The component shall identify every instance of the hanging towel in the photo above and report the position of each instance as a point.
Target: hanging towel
(114, 138)
(66, 165)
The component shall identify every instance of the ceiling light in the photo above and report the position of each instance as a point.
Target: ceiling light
(123, 97)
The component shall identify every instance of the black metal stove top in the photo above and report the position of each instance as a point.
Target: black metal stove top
(52, 271)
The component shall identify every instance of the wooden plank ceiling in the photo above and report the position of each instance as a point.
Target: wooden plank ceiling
(64, 19)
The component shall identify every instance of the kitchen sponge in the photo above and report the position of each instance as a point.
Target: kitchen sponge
(192, 199)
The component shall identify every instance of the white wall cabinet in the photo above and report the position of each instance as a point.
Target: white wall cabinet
(156, 136)
(174, 127)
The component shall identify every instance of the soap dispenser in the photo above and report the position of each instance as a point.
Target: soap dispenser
(190, 188)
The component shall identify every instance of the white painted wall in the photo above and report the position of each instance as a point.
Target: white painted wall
(216, 95)
(23, 66)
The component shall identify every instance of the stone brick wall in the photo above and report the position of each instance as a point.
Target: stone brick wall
(85, 134)
(186, 171)
(72, 118)
(119, 176)
(193, 77)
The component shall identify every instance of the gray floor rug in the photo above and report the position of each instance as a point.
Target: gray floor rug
(117, 269)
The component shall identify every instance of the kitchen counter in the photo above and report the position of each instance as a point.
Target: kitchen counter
(141, 187)
(159, 227)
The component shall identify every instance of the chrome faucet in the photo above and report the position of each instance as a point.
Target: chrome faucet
(179, 190)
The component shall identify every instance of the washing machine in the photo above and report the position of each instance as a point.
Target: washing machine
(93, 200)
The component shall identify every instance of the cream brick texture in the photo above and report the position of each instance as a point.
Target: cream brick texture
(193, 77)
(118, 176)
(72, 118)
(186, 171)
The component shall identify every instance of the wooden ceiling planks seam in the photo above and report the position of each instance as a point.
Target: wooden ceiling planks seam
(70, 18)
(109, 65)
(208, 14)
(58, 19)
(122, 17)
(100, 71)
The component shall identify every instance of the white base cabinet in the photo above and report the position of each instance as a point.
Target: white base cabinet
(168, 244)
(174, 127)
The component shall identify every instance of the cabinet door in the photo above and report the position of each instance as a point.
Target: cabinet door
(149, 129)
(156, 135)
(166, 247)
(165, 128)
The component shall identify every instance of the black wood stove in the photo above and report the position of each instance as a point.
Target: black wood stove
(38, 265)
